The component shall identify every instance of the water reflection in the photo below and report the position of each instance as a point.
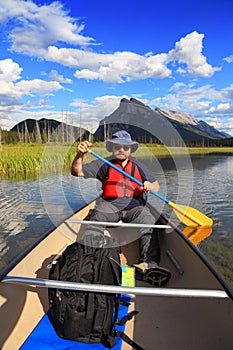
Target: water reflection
(31, 208)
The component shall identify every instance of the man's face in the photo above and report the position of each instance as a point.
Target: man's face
(121, 152)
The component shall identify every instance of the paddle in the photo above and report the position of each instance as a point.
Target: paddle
(188, 215)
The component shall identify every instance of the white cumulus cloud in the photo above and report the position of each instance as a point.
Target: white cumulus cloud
(9, 71)
(54, 75)
(223, 107)
(189, 51)
(228, 59)
(38, 26)
(14, 88)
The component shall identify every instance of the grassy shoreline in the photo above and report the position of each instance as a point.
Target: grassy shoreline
(35, 159)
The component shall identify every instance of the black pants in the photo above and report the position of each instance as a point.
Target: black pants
(148, 238)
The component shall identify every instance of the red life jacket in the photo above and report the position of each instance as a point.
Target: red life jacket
(116, 185)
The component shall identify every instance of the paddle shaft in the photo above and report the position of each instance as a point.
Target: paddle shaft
(127, 175)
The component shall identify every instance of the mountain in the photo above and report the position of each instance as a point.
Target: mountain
(211, 130)
(188, 119)
(157, 126)
(49, 129)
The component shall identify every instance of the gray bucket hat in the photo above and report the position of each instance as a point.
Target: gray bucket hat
(121, 137)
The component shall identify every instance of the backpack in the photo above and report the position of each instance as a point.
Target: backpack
(87, 316)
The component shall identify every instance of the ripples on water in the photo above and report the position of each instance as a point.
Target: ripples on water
(28, 209)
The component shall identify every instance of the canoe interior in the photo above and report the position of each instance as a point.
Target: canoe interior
(163, 322)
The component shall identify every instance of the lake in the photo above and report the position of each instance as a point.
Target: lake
(30, 207)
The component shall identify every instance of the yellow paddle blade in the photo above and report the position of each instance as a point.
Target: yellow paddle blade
(197, 234)
(190, 216)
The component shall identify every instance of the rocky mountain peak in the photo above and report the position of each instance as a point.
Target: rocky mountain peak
(180, 117)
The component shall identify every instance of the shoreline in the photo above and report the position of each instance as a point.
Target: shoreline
(36, 159)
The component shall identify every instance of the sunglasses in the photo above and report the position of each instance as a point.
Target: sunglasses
(118, 147)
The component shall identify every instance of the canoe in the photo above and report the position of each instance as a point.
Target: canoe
(194, 310)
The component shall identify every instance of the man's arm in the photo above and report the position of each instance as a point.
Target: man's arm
(77, 165)
(149, 182)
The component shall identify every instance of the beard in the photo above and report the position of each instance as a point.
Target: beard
(120, 157)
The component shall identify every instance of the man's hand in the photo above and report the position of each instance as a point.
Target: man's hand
(83, 147)
(148, 186)
(77, 165)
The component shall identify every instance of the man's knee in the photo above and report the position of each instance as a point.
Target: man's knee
(133, 214)
(143, 215)
(104, 216)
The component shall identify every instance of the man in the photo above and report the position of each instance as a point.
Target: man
(123, 199)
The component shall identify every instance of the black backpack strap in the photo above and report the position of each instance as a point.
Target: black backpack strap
(125, 337)
(116, 312)
(128, 317)
(90, 306)
(129, 341)
(108, 341)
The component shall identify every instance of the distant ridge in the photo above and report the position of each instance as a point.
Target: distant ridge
(49, 128)
(188, 119)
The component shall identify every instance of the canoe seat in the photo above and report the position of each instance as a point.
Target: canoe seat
(44, 336)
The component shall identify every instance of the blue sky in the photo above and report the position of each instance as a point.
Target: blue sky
(66, 58)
